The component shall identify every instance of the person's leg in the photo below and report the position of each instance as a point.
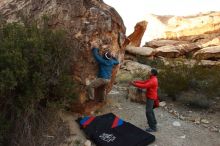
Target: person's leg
(150, 114)
(101, 95)
(154, 120)
(104, 93)
(94, 84)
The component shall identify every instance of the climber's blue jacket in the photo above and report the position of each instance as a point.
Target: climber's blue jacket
(105, 65)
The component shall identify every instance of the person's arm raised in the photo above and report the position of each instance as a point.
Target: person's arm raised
(143, 85)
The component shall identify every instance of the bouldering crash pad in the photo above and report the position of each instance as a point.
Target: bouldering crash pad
(110, 130)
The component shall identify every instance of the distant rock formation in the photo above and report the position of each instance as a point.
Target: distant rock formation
(84, 20)
(136, 37)
(206, 48)
(183, 27)
(192, 37)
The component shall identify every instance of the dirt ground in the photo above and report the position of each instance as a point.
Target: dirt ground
(172, 130)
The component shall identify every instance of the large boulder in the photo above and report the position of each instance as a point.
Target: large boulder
(84, 20)
(144, 51)
(212, 53)
(134, 67)
(169, 51)
(160, 43)
(165, 48)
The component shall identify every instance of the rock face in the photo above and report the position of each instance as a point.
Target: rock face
(136, 94)
(84, 20)
(136, 37)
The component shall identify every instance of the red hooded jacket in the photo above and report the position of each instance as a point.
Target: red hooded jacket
(151, 85)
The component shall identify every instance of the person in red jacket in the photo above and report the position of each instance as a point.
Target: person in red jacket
(151, 85)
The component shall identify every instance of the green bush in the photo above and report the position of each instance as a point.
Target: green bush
(195, 99)
(140, 75)
(34, 67)
(173, 79)
(206, 80)
(123, 77)
(178, 77)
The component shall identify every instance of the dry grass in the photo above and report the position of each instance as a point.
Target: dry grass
(195, 100)
(45, 128)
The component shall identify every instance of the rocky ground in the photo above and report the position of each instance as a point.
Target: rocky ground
(177, 125)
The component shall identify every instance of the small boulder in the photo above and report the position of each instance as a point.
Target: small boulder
(162, 104)
(87, 143)
(204, 121)
(176, 124)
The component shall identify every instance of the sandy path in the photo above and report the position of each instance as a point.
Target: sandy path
(187, 134)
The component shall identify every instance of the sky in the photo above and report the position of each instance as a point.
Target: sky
(133, 11)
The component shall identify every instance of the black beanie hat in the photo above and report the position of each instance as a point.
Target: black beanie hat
(154, 71)
(107, 55)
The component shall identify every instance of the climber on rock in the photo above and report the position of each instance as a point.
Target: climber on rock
(106, 62)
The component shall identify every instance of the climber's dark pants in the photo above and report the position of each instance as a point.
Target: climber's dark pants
(152, 122)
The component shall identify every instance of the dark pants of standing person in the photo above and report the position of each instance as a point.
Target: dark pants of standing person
(152, 122)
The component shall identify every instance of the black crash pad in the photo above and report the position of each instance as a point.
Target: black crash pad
(110, 130)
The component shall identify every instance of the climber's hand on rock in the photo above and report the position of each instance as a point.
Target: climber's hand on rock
(94, 44)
